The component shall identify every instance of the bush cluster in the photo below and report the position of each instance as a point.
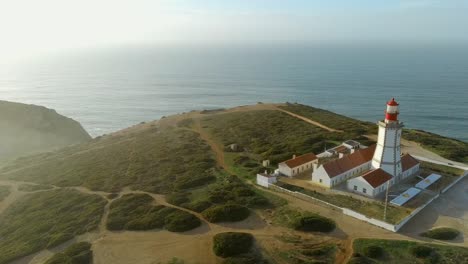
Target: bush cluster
(231, 244)
(226, 213)
(46, 219)
(443, 233)
(79, 253)
(314, 223)
(374, 252)
(135, 212)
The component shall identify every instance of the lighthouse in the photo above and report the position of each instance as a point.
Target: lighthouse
(387, 152)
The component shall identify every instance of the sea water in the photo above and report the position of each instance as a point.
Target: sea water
(110, 89)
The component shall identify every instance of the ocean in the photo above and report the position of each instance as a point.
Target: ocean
(110, 89)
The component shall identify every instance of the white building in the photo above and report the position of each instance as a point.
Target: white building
(377, 164)
(337, 171)
(265, 179)
(371, 183)
(297, 165)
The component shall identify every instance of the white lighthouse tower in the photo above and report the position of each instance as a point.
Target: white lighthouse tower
(387, 152)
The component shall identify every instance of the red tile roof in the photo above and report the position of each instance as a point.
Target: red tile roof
(346, 163)
(300, 160)
(408, 162)
(376, 177)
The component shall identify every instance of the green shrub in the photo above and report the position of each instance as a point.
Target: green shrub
(136, 212)
(442, 233)
(33, 187)
(360, 260)
(242, 260)
(45, 219)
(79, 253)
(421, 251)
(232, 243)
(374, 252)
(180, 221)
(194, 181)
(177, 198)
(112, 196)
(315, 223)
(226, 213)
(4, 192)
(198, 205)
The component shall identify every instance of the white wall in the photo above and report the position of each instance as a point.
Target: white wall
(285, 170)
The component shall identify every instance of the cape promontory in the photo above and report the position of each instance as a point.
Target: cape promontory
(27, 129)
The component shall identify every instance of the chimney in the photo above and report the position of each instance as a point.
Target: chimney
(352, 150)
(340, 155)
(266, 172)
(315, 165)
(294, 156)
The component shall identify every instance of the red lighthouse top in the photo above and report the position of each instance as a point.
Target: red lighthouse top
(391, 113)
(392, 102)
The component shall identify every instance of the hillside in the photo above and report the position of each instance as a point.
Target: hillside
(178, 183)
(26, 129)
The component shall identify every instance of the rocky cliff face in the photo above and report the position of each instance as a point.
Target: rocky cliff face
(27, 129)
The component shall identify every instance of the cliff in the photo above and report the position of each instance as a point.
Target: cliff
(26, 129)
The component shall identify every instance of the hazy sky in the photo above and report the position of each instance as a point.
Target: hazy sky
(38, 26)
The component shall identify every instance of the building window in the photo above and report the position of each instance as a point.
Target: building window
(320, 180)
(364, 190)
(355, 187)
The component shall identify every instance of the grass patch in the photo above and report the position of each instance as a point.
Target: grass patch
(302, 220)
(442, 233)
(268, 134)
(428, 168)
(229, 189)
(78, 253)
(4, 192)
(33, 187)
(310, 253)
(149, 159)
(353, 127)
(449, 148)
(47, 219)
(371, 209)
(402, 251)
(136, 212)
(226, 213)
(231, 244)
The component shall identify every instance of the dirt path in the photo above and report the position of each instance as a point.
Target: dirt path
(218, 151)
(315, 123)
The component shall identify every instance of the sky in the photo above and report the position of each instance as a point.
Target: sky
(31, 27)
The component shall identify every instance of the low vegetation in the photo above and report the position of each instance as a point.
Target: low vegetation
(428, 168)
(299, 250)
(33, 187)
(446, 147)
(352, 127)
(403, 251)
(223, 196)
(442, 233)
(78, 253)
(47, 219)
(231, 244)
(268, 134)
(149, 159)
(302, 220)
(136, 212)
(226, 213)
(4, 192)
(371, 209)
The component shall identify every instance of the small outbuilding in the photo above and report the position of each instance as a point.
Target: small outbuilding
(265, 179)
